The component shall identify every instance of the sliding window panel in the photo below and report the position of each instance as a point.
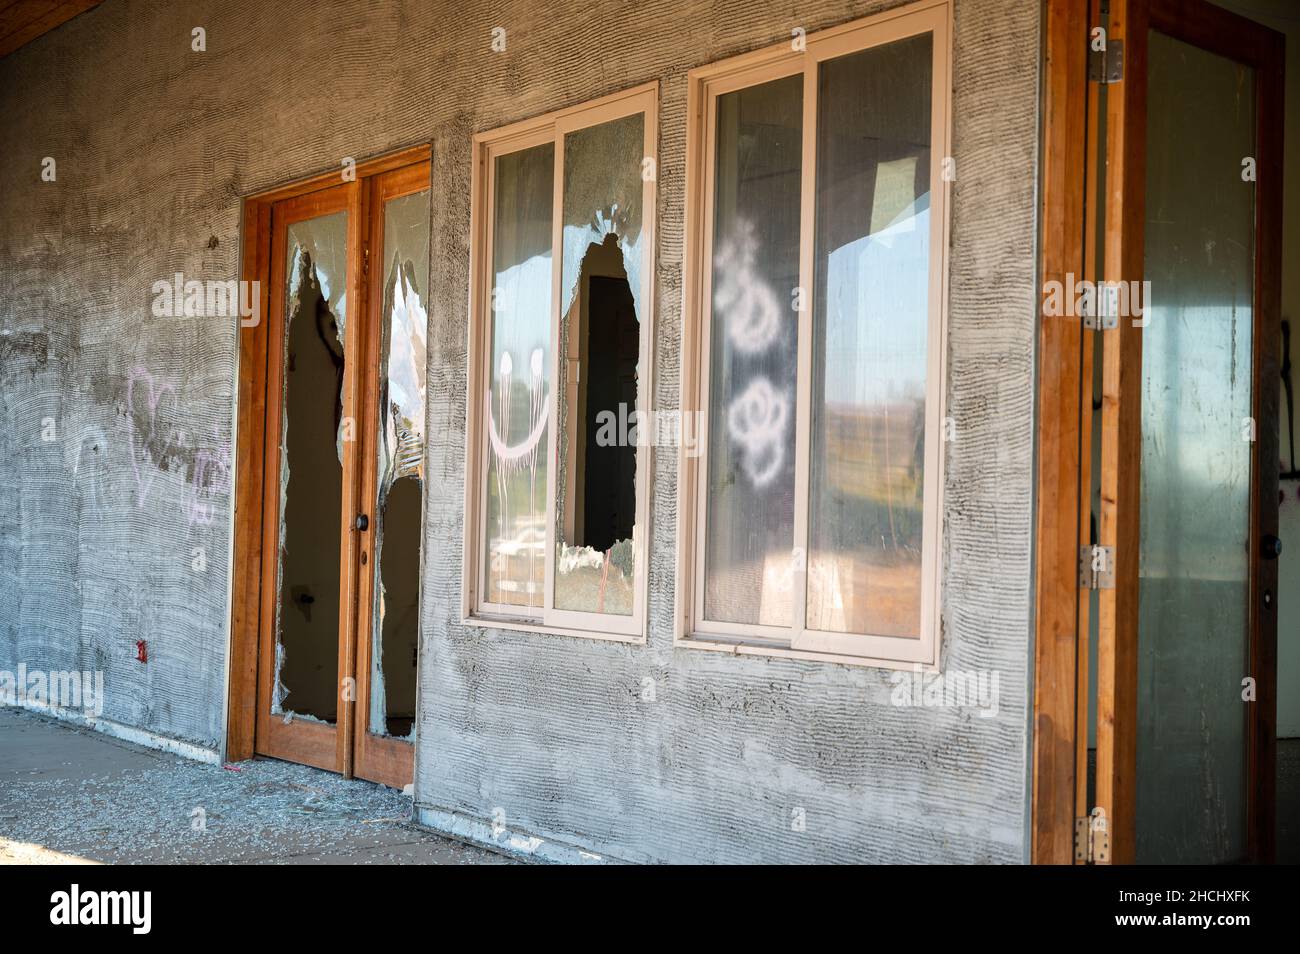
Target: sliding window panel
(871, 340)
(518, 398)
(602, 314)
(752, 343)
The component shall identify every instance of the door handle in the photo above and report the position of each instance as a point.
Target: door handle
(1270, 547)
(363, 522)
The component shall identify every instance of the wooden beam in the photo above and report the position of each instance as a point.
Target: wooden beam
(26, 20)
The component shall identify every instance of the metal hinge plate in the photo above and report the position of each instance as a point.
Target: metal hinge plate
(1096, 568)
(1101, 847)
(1106, 66)
(1102, 310)
(1092, 839)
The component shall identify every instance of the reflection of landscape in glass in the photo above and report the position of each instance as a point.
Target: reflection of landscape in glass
(518, 393)
(870, 325)
(870, 331)
(595, 564)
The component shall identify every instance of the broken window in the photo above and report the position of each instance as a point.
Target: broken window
(399, 508)
(311, 474)
(817, 288)
(600, 338)
(563, 507)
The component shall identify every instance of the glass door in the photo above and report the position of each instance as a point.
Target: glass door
(392, 455)
(342, 474)
(309, 498)
(1186, 514)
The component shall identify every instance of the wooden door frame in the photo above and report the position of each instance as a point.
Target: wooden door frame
(1065, 97)
(377, 757)
(247, 597)
(1060, 687)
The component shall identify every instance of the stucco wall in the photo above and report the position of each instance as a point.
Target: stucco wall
(155, 144)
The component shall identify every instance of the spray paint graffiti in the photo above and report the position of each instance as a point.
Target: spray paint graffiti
(756, 421)
(210, 481)
(151, 438)
(158, 444)
(752, 310)
(514, 459)
(758, 417)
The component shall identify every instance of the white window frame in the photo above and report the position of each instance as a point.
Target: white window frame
(487, 146)
(704, 86)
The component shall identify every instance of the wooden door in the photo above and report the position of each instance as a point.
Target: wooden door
(1190, 325)
(310, 540)
(392, 454)
(331, 419)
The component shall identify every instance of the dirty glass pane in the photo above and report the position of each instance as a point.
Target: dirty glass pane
(870, 315)
(311, 478)
(749, 504)
(398, 511)
(1196, 399)
(600, 339)
(518, 396)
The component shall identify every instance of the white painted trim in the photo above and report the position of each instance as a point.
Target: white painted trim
(551, 128)
(705, 84)
(117, 730)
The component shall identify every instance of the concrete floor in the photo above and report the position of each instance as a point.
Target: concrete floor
(70, 795)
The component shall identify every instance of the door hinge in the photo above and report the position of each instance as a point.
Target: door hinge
(1096, 568)
(1106, 66)
(1101, 310)
(1092, 839)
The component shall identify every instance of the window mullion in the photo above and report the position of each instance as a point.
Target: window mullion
(558, 367)
(479, 411)
(803, 375)
(702, 315)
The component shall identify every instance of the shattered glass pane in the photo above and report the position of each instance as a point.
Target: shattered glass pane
(311, 469)
(600, 341)
(518, 397)
(398, 511)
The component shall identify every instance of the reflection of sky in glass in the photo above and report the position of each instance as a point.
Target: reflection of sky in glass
(877, 291)
(406, 378)
(406, 245)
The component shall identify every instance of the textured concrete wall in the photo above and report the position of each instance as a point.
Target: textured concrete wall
(155, 144)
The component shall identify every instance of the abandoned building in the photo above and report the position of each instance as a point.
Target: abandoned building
(828, 431)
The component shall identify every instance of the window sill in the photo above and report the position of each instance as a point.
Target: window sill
(526, 626)
(751, 647)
